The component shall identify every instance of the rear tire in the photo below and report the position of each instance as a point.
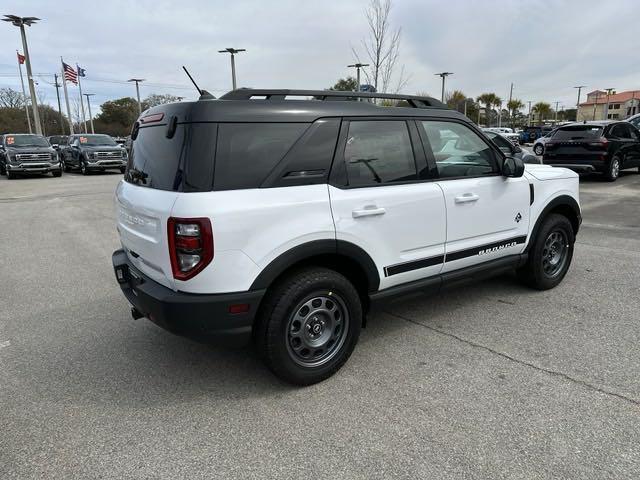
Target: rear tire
(550, 255)
(308, 325)
(613, 172)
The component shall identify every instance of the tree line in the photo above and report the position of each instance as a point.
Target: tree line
(116, 117)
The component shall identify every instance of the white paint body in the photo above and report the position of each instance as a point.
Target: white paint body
(393, 224)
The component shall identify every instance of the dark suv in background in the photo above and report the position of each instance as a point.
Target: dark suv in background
(27, 154)
(604, 147)
(89, 153)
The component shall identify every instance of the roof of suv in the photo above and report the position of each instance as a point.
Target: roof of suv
(300, 106)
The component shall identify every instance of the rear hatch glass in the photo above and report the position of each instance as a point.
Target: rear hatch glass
(182, 163)
(578, 133)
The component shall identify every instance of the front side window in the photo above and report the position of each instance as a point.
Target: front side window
(459, 151)
(379, 152)
(503, 144)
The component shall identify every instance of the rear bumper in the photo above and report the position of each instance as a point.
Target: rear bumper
(200, 317)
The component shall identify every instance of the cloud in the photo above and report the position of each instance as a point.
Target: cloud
(544, 47)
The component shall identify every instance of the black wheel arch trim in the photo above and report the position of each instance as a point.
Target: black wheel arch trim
(316, 248)
(562, 200)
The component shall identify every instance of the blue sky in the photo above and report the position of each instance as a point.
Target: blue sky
(544, 47)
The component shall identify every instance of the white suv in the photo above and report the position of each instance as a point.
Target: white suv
(262, 215)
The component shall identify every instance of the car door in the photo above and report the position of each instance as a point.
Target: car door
(487, 214)
(383, 201)
(632, 157)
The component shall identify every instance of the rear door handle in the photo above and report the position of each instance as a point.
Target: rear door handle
(467, 197)
(368, 211)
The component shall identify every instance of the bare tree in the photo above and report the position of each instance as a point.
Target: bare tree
(10, 98)
(382, 49)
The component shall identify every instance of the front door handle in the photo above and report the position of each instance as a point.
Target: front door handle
(467, 197)
(368, 211)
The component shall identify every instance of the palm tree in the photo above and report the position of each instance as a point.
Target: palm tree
(542, 109)
(455, 98)
(488, 100)
(513, 106)
(497, 102)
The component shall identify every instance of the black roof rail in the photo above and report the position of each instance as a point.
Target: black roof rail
(281, 94)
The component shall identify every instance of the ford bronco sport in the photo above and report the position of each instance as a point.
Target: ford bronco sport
(285, 215)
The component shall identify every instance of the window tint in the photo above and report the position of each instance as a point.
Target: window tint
(183, 163)
(635, 135)
(578, 132)
(247, 152)
(379, 152)
(620, 131)
(458, 150)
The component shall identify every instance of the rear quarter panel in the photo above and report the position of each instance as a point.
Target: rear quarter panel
(251, 228)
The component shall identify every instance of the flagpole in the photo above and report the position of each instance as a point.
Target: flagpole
(84, 119)
(24, 94)
(66, 97)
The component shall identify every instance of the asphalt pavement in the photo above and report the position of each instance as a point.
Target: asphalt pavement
(492, 381)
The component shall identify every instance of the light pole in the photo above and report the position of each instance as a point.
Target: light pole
(579, 87)
(21, 22)
(606, 111)
(358, 66)
(443, 75)
(233, 52)
(89, 105)
(138, 81)
(57, 85)
(529, 115)
(556, 117)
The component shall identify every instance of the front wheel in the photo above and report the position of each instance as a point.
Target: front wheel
(550, 254)
(309, 325)
(83, 168)
(613, 172)
(10, 175)
(57, 173)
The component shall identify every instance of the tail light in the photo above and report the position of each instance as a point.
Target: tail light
(602, 143)
(190, 246)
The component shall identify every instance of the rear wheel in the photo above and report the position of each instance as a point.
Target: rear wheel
(550, 255)
(308, 325)
(613, 172)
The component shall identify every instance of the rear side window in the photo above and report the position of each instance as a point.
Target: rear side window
(379, 152)
(578, 132)
(247, 152)
(183, 163)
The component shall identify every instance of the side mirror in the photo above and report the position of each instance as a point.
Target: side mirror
(512, 167)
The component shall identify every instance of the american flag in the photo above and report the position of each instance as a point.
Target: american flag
(70, 73)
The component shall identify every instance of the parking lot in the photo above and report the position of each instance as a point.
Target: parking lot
(490, 381)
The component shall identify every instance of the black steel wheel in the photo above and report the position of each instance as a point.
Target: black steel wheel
(308, 325)
(550, 253)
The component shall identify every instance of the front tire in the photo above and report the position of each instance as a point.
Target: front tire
(550, 255)
(83, 168)
(57, 173)
(538, 149)
(613, 172)
(309, 325)
(123, 169)
(10, 175)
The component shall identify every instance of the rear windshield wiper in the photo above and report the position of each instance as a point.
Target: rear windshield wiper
(138, 176)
